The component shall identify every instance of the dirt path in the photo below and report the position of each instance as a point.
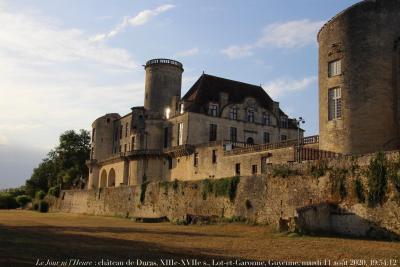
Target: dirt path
(27, 236)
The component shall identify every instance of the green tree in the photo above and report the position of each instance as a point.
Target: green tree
(7, 201)
(22, 200)
(64, 165)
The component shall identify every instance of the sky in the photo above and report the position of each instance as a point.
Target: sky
(64, 63)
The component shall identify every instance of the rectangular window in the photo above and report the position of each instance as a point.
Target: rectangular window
(213, 111)
(169, 163)
(233, 112)
(120, 149)
(120, 131)
(266, 138)
(266, 119)
(196, 159)
(181, 108)
(133, 143)
(284, 122)
(126, 129)
(213, 132)
(334, 68)
(250, 115)
(334, 103)
(254, 169)
(214, 156)
(180, 133)
(283, 137)
(233, 134)
(166, 137)
(237, 169)
(125, 147)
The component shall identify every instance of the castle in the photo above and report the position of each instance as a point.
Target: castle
(223, 128)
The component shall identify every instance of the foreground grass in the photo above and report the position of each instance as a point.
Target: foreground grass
(26, 236)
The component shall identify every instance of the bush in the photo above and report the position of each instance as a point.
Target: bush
(43, 206)
(225, 187)
(40, 195)
(377, 179)
(284, 171)
(319, 169)
(7, 201)
(23, 200)
(337, 178)
(359, 190)
(54, 191)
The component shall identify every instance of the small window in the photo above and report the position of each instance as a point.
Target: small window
(266, 119)
(214, 156)
(133, 143)
(120, 149)
(233, 113)
(169, 163)
(284, 122)
(233, 134)
(213, 132)
(167, 113)
(213, 110)
(181, 108)
(266, 138)
(125, 147)
(196, 159)
(166, 133)
(254, 169)
(283, 137)
(180, 133)
(334, 103)
(334, 68)
(126, 129)
(250, 115)
(237, 169)
(250, 141)
(120, 131)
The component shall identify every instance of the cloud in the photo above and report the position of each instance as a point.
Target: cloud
(289, 35)
(283, 86)
(234, 52)
(141, 18)
(187, 53)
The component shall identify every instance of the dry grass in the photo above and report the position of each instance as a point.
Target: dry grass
(26, 236)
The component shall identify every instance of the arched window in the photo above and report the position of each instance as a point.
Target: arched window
(103, 179)
(250, 141)
(111, 178)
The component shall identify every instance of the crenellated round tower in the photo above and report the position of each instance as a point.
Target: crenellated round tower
(359, 78)
(163, 82)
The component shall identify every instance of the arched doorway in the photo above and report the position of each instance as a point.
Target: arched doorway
(250, 141)
(111, 178)
(103, 179)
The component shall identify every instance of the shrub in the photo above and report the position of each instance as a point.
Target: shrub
(43, 206)
(284, 171)
(377, 179)
(359, 190)
(337, 178)
(143, 192)
(54, 191)
(319, 169)
(22, 200)
(225, 187)
(394, 174)
(354, 166)
(7, 201)
(40, 195)
(206, 188)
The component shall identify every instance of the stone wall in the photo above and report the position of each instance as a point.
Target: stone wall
(300, 196)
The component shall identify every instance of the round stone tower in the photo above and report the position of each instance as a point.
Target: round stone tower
(359, 78)
(163, 82)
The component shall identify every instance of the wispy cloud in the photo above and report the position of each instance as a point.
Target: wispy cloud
(283, 86)
(141, 18)
(187, 53)
(290, 34)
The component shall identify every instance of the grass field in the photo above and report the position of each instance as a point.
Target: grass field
(28, 236)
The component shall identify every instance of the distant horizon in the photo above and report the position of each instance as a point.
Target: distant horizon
(62, 69)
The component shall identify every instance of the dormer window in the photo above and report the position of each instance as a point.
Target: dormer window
(213, 110)
(233, 113)
(266, 119)
(250, 115)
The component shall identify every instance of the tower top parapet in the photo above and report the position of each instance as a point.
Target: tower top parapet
(163, 61)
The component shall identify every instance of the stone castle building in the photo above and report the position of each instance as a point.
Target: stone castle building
(221, 128)
(190, 137)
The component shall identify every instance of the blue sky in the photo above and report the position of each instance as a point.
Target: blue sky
(66, 62)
